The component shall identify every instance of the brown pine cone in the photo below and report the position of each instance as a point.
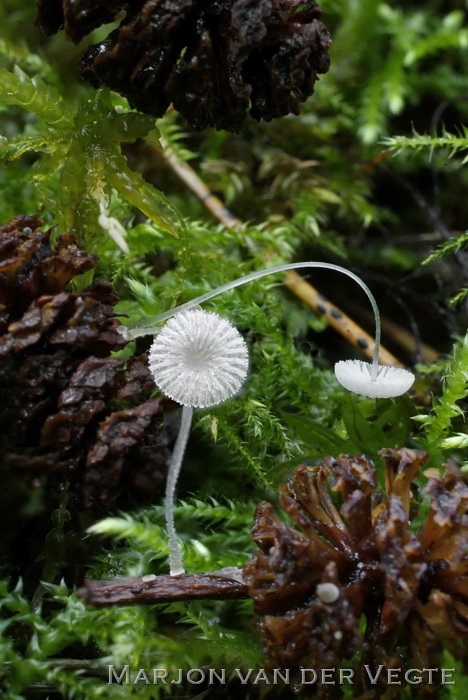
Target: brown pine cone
(79, 17)
(69, 413)
(354, 557)
(216, 61)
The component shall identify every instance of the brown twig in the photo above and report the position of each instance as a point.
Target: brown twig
(217, 585)
(338, 320)
(198, 187)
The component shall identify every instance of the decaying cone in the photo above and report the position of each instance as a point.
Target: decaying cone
(313, 585)
(70, 414)
(216, 61)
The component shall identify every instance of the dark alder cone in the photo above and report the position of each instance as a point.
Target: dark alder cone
(411, 587)
(70, 413)
(216, 61)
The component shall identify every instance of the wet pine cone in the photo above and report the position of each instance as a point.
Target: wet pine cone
(411, 587)
(71, 415)
(216, 61)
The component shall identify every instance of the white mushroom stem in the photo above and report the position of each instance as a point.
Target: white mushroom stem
(152, 322)
(176, 566)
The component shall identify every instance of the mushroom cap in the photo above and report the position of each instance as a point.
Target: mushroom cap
(327, 592)
(199, 359)
(355, 376)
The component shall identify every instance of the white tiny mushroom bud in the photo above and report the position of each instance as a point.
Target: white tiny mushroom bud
(327, 592)
(147, 578)
(199, 359)
(356, 376)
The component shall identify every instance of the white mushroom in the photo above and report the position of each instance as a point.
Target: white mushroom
(199, 359)
(327, 592)
(357, 376)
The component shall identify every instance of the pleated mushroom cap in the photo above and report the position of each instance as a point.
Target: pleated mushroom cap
(199, 359)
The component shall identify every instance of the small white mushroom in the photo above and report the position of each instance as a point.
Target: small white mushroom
(357, 376)
(327, 592)
(199, 359)
(147, 578)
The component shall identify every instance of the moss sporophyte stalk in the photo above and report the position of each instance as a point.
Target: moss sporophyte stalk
(200, 360)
